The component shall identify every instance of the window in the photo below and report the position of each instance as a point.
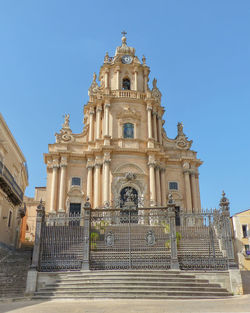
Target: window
(173, 185)
(10, 218)
(244, 231)
(126, 84)
(128, 130)
(76, 181)
(247, 249)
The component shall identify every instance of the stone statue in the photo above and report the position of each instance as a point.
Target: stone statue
(66, 121)
(129, 196)
(154, 83)
(180, 129)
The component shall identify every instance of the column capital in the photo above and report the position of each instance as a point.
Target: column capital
(155, 112)
(63, 161)
(186, 171)
(117, 68)
(107, 104)
(92, 110)
(55, 163)
(149, 106)
(99, 108)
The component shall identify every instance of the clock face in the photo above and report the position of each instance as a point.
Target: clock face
(127, 59)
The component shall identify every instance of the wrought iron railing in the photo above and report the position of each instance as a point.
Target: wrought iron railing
(10, 180)
(133, 238)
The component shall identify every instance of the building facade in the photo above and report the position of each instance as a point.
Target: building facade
(28, 228)
(13, 182)
(123, 146)
(241, 230)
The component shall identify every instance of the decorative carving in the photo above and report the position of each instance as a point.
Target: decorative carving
(224, 202)
(156, 92)
(128, 112)
(130, 176)
(109, 239)
(65, 134)
(143, 60)
(94, 88)
(181, 139)
(150, 238)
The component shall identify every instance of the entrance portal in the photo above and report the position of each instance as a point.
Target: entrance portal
(129, 205)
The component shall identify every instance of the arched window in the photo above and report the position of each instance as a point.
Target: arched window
(126, 84)
(128, 130)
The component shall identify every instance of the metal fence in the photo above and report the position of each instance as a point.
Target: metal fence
(133, 238)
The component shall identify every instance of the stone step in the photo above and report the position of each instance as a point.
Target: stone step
(130, 288)
(128, 293)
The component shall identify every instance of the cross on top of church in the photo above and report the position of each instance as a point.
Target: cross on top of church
(124, 33)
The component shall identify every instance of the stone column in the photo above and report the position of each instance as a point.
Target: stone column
(173, 240)
(198, 192)
(163, 187)
(159, 128)
(151, 165)
(118, 78)
(136, 79)
(106, 118)
(106, 78)
(145, 79)
(155, 126)
(86, 232)
(158, 185)
(188, 191)
(106, 183)
(90, 180)
(97, 176)
(63, 166)
(91, 122)
(194, 192)
(149, 109)
(53, 196)
(98, 121)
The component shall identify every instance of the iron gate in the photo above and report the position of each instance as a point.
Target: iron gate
(129, 238)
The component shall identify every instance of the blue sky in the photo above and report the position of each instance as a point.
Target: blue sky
(199, 51)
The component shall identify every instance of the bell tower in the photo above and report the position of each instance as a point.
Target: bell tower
(123, 145)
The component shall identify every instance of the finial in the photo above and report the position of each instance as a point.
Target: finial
(124, 39)
(94, 77)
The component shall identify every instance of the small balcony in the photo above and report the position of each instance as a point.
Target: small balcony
(9, 185)
(128, 94)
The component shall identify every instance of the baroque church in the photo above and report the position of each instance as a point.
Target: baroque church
(123, 196)
(123, 147)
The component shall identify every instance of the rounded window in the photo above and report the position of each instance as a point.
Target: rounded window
(128, 130)
(126, 84)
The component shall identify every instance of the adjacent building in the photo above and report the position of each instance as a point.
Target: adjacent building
(13, 182)
(28, 228)
(241, 230)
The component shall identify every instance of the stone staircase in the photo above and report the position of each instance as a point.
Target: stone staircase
(14, 265)
(130, 285)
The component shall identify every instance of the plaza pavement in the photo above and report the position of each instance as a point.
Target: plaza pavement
(235, 304)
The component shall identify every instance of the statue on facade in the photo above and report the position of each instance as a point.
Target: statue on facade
(66, 121)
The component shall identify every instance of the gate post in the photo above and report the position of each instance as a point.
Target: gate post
(173, 241)
(86, 235)
(32, 273)
(227, 232)
(40, 214)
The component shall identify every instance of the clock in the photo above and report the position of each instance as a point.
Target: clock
(127, 59)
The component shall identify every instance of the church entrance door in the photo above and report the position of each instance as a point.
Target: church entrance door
(129, 205)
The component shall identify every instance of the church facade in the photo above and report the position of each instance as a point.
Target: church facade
(123, 146)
